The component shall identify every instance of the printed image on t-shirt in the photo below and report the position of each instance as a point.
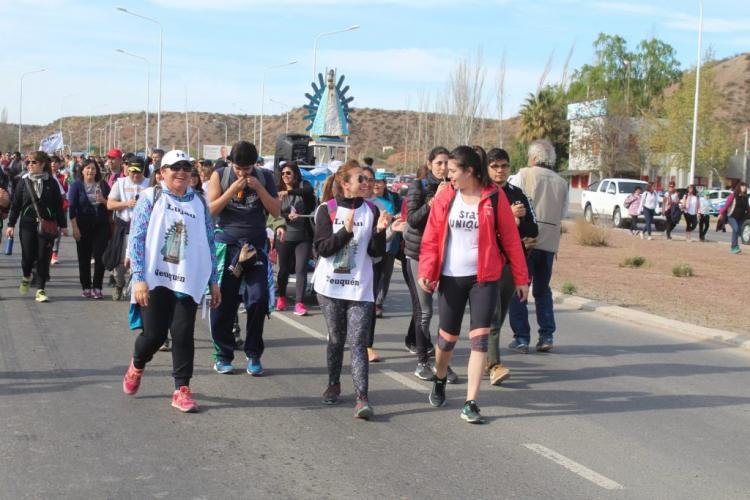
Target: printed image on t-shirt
(345, 260)
(463, 220)
(175, 243)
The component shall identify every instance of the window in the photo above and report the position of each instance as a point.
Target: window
(612, 187)
(629, 187)
(603, 187)
(594, 186)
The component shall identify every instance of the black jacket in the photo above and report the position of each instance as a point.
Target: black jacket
(50, 204)
(417, 212)
(527, 228)
(327, 243)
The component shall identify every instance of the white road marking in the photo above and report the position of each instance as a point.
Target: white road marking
(575, 467)
(299, 326)
(401, 379)
(404, 380)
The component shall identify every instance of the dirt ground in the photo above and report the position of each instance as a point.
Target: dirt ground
(714, 297)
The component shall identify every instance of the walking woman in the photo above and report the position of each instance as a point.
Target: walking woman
(38, 204)
(173, 258)
(461, 250)
(705, 216)
(691, 205)
(88, 218)
(735, 211)
(419, 200)
(294, 245)
(349, 232)
(633, 203)
(55, 164)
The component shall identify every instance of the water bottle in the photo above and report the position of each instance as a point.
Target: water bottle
(9, 246)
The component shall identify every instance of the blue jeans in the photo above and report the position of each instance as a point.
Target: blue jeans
(540, 272)
(735, 231)
(648, 215)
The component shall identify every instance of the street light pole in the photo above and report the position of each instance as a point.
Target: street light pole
(315, 46)
(88, 137)
(287, 112)
(697, 95)
(226, 130)
(20, 103)
(263, 98)
(148, 90)
(161, 68)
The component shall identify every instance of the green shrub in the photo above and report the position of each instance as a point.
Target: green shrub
(634, 262)
(568, 288)
(682, 271)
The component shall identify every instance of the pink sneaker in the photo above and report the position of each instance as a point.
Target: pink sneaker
(97, 294)
(299, 309)
(86, 294)
(182, 399)
(280, 303)
(132, 380)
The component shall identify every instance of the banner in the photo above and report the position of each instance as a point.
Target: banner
(214, 152)
(52, 143)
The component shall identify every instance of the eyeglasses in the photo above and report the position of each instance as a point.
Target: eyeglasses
(33, 162)
(499, 166)
(364, 178)
(185, 167)
(287, 172)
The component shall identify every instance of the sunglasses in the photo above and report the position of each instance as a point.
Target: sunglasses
(185, 167)
(364, 178)
(33, 162)
(287, 172)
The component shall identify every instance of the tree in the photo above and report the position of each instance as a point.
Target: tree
(543, 117)
(672, 135)
(632, 77)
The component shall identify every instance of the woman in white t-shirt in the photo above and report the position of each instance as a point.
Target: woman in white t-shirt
(470, 232)
(349, 233)
(691, 205)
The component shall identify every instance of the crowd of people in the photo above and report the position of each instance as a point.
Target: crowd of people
(175, 232)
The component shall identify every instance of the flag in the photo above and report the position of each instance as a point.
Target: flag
(51, 143)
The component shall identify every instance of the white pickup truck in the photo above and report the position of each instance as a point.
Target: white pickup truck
(605, 200)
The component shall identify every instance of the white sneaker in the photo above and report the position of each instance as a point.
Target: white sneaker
(649, 238)
(641, 234)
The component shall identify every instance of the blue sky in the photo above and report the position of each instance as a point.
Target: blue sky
(217, 49)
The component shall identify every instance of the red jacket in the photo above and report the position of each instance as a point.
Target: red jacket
(491, 261)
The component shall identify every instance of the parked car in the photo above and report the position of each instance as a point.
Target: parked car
(605, 200)
(718, 199)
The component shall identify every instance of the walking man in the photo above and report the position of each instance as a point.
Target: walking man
(548, 192)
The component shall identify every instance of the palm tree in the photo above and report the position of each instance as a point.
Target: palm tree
(543, 116)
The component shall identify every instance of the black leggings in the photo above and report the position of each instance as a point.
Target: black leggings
(94, 237)
(453, 292)
(35, 251)
(294, 253)
(691, 222)
(703, 225)
(415, 336)
(167, 313)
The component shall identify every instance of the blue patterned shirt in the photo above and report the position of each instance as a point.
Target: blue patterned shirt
(139, 228)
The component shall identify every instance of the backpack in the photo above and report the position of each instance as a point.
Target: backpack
(495, 200)
(158, 191)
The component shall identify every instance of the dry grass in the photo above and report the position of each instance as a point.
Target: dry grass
(682, 271)
(590, 235)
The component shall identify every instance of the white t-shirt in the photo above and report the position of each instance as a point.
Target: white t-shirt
(691, 204)
(125, 190)
(462, 247)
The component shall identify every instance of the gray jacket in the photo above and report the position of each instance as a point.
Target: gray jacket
(548, 193)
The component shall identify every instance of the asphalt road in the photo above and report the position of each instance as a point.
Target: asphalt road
(615, 411)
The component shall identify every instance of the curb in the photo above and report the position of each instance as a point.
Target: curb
(652, 320)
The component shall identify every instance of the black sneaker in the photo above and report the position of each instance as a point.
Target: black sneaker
(424, 371)
(437, 395)
(331, 394)
(470, 413)
(450, 375)
(411, 348)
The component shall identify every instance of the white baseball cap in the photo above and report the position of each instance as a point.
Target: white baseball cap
(174, 156)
